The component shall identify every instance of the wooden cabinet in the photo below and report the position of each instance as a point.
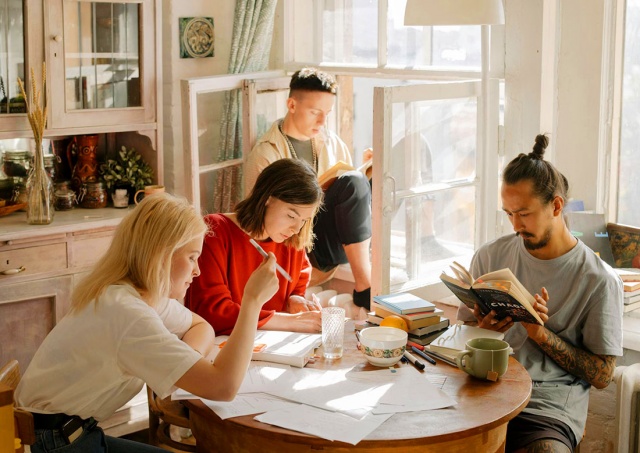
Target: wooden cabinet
(103, 77)
(52, 259)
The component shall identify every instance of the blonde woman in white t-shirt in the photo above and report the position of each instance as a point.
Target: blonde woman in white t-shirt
(126, 327)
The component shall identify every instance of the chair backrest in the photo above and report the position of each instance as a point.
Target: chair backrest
(10, 376)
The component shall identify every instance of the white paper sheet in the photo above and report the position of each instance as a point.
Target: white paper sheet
(253, 403)
(410, 390)
(331, 390)
(324, 424)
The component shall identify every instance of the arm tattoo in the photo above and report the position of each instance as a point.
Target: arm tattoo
(597, 370)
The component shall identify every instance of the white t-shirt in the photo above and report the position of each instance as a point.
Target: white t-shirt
(95, 361)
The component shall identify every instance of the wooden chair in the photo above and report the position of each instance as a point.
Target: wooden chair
(23, 420)
(162, 414)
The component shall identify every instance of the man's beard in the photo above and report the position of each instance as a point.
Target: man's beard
(529, 245)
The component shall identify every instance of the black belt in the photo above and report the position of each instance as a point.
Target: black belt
(53, 421)
(71, 426)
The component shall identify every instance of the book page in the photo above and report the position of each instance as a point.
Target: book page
(339, 168)
(507, 275)
(462, 273)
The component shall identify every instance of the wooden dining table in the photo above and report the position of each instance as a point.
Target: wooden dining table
(477, 423)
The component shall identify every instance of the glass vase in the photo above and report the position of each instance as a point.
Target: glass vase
(40, 192)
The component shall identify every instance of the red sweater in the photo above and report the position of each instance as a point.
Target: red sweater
(228, 259)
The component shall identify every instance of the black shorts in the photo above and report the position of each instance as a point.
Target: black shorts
(527, 428)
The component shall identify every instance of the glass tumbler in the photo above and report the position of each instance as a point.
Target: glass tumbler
(332, 332)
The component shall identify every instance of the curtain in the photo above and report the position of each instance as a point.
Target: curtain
(250, 48)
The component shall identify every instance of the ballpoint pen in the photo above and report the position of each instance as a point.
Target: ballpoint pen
(423, 355)
(415, 362)
(266, 255)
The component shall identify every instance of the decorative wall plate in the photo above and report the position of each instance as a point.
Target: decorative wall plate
(196, 37)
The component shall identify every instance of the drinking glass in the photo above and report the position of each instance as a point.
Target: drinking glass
(333, 332)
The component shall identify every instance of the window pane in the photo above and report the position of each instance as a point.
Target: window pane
(346, 33)
(220, 190)
(415, 46)
(429, 231)
(433, 142)
(629, 178)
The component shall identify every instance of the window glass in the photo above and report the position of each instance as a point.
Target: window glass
(629, 176)
(414, 46)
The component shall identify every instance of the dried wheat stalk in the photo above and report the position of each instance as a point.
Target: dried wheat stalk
(39, 197)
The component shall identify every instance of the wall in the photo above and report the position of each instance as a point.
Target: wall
(176, 68)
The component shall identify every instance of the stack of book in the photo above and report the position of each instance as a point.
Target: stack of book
(631, 283)
(423, 319)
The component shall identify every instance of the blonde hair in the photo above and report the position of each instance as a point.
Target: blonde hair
(142, 248)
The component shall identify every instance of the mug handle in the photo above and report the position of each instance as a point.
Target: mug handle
(135, 197)
(460, 357)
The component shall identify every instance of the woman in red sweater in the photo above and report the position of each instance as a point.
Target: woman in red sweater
(278, 214)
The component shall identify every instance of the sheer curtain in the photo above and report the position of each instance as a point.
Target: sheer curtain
(250, 48)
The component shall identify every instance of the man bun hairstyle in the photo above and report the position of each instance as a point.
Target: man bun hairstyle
(547, 181)
(312, 79)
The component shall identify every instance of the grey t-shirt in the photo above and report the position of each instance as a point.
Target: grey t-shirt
(304, 149)
(585, 309)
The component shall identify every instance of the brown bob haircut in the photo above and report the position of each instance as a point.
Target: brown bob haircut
(291, 181)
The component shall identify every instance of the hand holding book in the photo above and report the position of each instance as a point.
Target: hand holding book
(498, 291)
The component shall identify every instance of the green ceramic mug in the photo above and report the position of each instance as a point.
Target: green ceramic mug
(484, 358)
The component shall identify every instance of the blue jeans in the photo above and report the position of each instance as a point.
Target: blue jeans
(92, 440)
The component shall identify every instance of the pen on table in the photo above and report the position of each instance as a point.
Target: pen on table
(266, 255)
(415, 362)
(423, 355)
(412, 344)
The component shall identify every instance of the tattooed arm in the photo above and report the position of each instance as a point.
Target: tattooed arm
(596, 369)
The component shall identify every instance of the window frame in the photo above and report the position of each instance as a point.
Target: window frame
(488, 223)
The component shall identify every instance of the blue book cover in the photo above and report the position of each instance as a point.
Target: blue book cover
(404, 303)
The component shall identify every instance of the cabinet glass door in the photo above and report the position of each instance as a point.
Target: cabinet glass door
(102, 60)
(12, 56)
(101, 55)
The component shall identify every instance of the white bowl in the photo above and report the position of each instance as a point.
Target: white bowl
(382, 346)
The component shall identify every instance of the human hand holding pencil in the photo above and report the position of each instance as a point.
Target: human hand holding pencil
(279, 268)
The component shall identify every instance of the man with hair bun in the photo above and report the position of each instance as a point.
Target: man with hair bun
(578, 296)
(343, 226)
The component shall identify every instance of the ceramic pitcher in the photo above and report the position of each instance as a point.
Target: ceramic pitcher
(85, 165)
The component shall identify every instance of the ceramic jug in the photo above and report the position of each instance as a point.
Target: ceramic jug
(85, 165)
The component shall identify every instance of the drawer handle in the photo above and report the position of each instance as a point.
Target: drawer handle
(17, 270)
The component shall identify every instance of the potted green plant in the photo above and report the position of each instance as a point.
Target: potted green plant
(128, 170)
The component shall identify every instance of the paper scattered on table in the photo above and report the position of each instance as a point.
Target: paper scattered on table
(410, 391)
(253, 403)
(246, 404)
(333, 391)
(325, 424)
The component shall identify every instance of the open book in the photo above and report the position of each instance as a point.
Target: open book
(499, 291)
(287, 348)
(340, 168)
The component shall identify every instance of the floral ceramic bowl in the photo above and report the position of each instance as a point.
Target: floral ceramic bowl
(382, 346)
